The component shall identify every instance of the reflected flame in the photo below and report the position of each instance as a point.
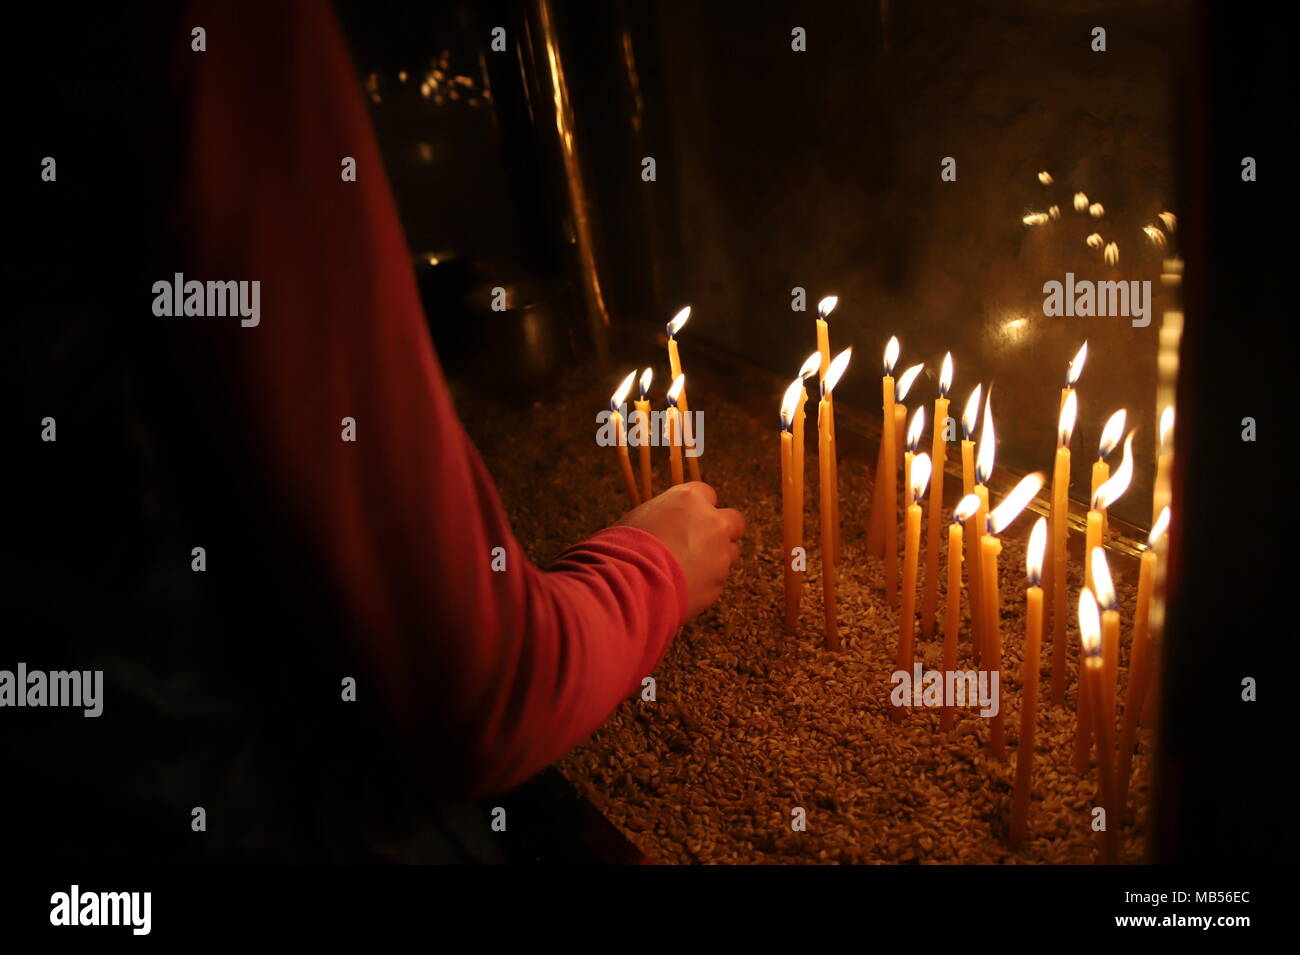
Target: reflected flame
(920, 476)
(1169, 221)
(1035, 218)
(1054, 212)
(837, 366)
(906, 378)
(1166, 426)
(1006, 512)
(1095, 241)
(1102, 585)
(1080, 202)
(646, 377)
(1075, 368)
(827, 305)
(1159, 527)
(1155, 235)
(988, 444)
(676, 389)
(945, 375)
(1111, 254)
(811, 365)
(1111, 433)
(1034, 554)
(1065, 424)
(1045, 178)
(1110, 491)
(972, 412)
(1089, 623)
(915, 428)
(1096, 210)
(891, 355)
(966, 508)
(789, 402)
(678, 321)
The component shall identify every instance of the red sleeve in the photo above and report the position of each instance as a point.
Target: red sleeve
(493, 673)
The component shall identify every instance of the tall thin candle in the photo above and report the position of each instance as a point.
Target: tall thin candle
(884, 467)
(911, 546)
(826, 465)
(789, 507)
(964, 511)
(675, 429)
(643, 430)
(969, 418)
(810, 367)
(824, 309)
(1110, 435)
(984, 458)
(616, 404)
(675, 372)
(1029, 675)
(1104, 590)
(1091, 680)
(1060, 533)
(939, 458)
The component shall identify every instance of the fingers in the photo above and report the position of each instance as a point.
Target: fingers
(735, 552)
(734, 521)
(699, 487)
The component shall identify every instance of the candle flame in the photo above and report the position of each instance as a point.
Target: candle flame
(915, 428)
(1111, 253)
(966, 508)
(920, 476)
(972, 412)
(1110, 491)
(1006, 512)
(906, 378)
(811, 365)
(1075, 368)
(678, 321)
(1054, 211)
(1169, 220)
(1065, 425)
(1111, 433)
(1155, 235)
(1034, 554)
(988, 444)
(1035, 218)
(646, 377)
(1045, 178)
(837, 366)
(789, 402)
(1159, 527)
(1102, 585)
(891, 355)
(945, 375)
(1095, 241)
(1096, 210)
(620, 396)
(827, 305)
(1166, 426)
(675, 389)
(1089, 624)
(1080, 202)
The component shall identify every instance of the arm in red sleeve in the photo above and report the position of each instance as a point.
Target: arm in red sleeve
(493, 674)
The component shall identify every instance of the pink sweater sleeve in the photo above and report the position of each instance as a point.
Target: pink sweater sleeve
(490, 674)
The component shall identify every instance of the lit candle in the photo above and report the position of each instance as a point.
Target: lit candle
(675, 428)
(1072, 372)
(1110, 436)
(616, 402)
(920, 477)
(964, 511)
(824, 309)
(1141, 657)
(1090, 683)
(914, 432)
(1160, 494)
(939, 458)
(984, 458)
(997, 521)
(1104, 590)
(1106, 495)
(1029, 680)
(826, 465)
(1060, 534)
(969, 418)
(789, 506)
(675, 372)
(810, 368)
(885, 461)
(643, 419)
(890, 510)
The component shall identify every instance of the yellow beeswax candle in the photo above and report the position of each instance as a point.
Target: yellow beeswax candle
(1060, 531)
(675, 429)
(911, 550)
(643, 428)
(1110, 435)
(810, 368)
(1029, 674)
(789, 513)
(683, 408)
(826, 466)
(1093, 681)
(886, 462)
(966, 507)
(616, 401)
(939, 459)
